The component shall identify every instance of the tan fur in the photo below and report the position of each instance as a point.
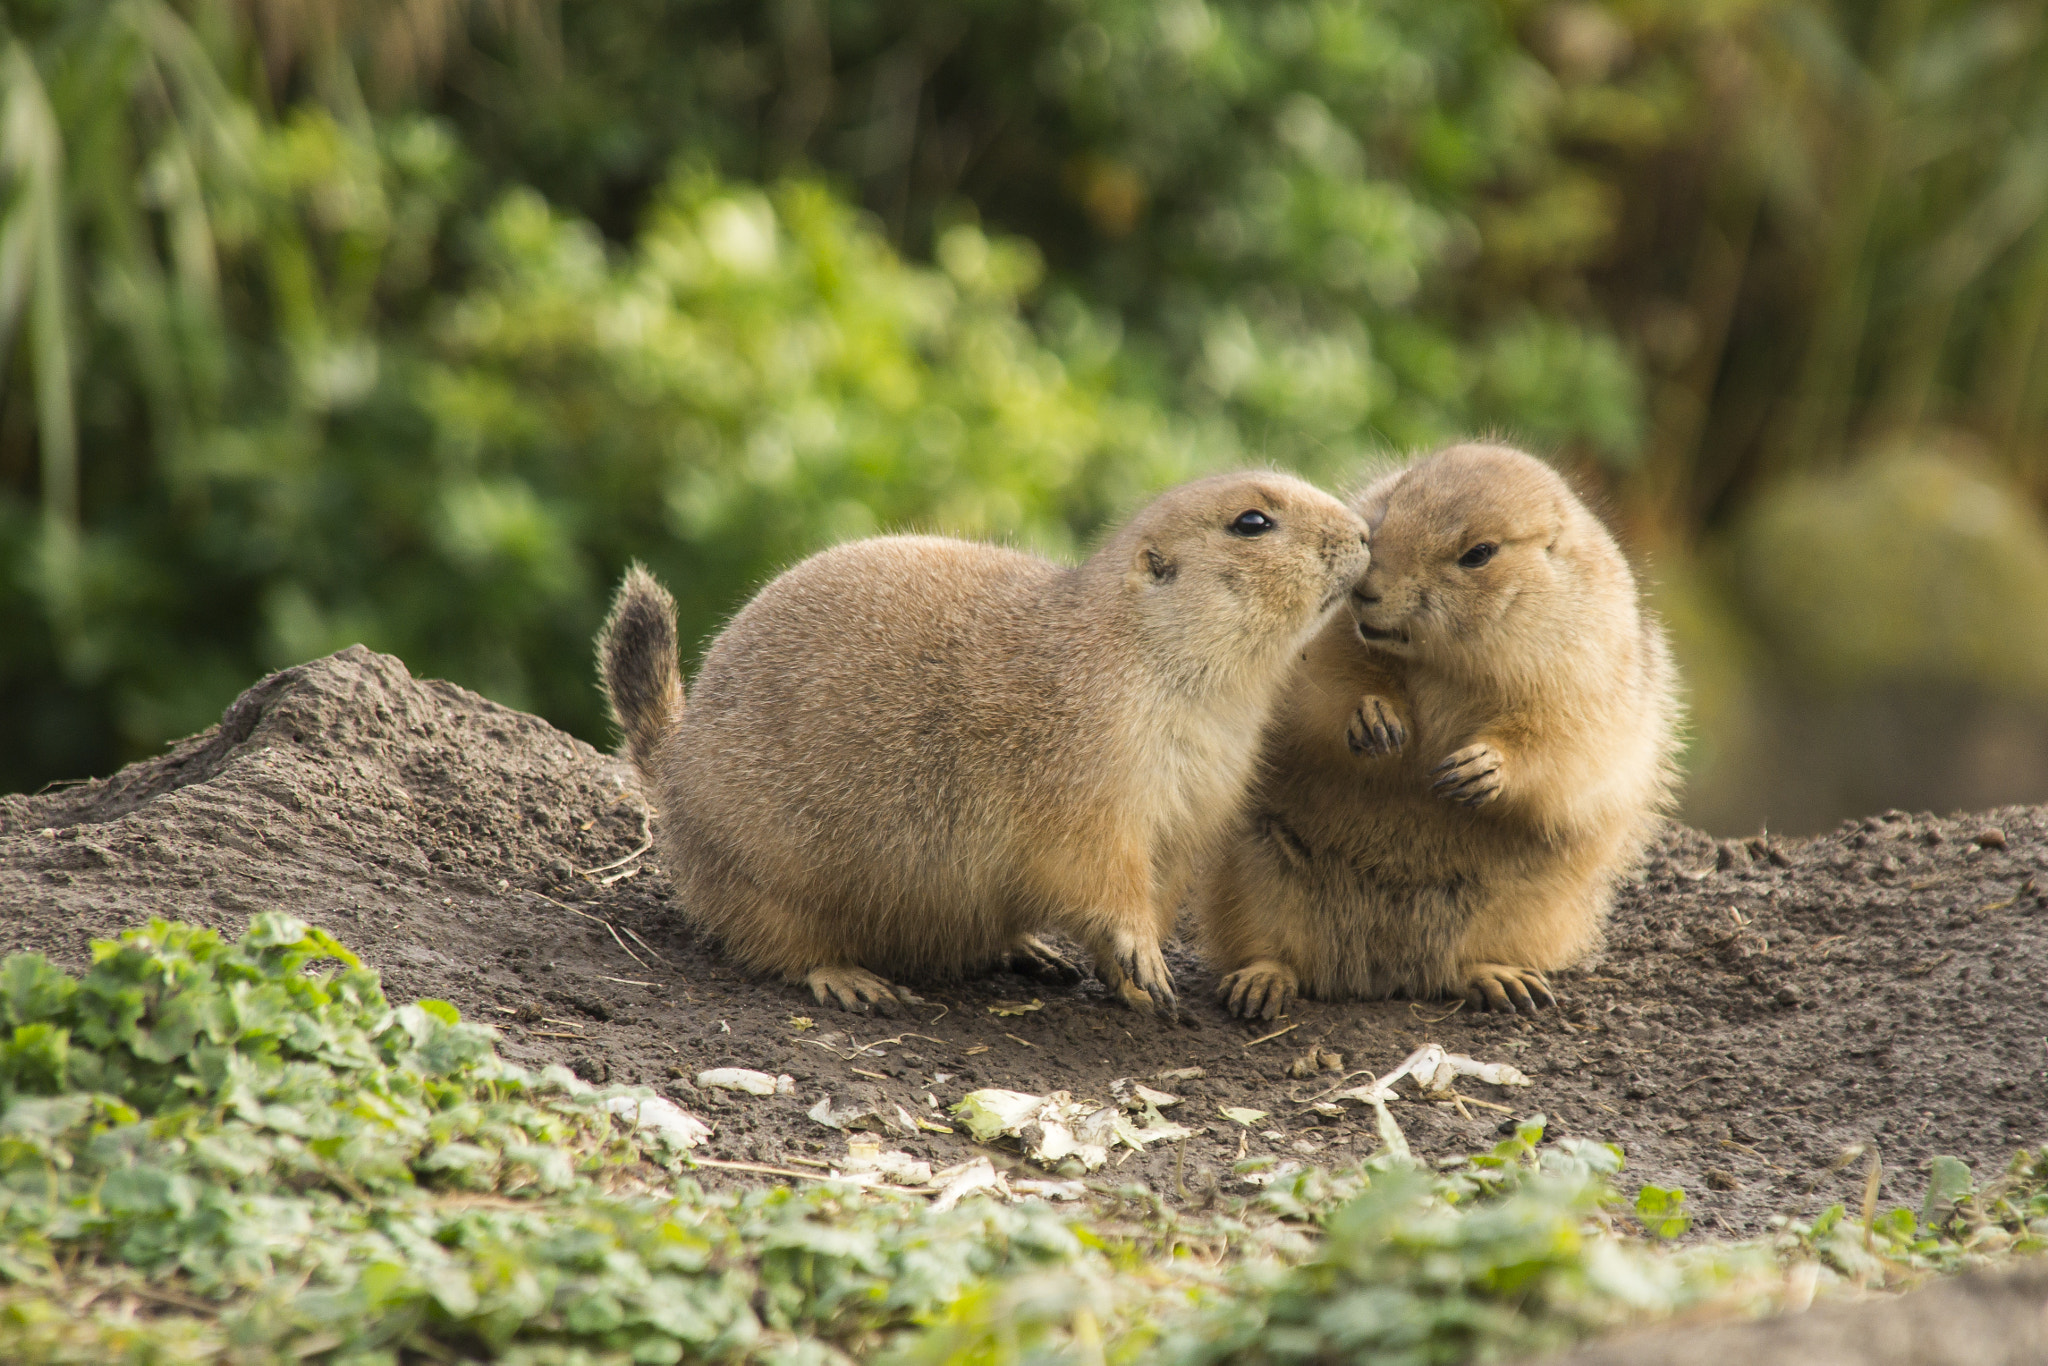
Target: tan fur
(1447, 809)
(908, 754)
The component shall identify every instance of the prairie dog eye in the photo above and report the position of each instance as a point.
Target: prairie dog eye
(1478, 555)
(1252, 523)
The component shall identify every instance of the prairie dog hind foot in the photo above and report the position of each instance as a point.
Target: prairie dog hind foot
(1261, 990)
(858, 990)
(1135, 969)
(1030, 956)
(1375, 728)
(1496, 986)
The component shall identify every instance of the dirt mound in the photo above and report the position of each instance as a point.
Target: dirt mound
(1762, 1006)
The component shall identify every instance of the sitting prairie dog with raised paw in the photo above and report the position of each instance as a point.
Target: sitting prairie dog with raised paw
(908, 756)
(1462, 767)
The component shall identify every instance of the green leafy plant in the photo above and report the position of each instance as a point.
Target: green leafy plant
(1662, 1211)
(1960, 1224)
(258, 1154)
(244, 1150)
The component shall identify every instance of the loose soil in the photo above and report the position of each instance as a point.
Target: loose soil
(1763, 1006)
(1980, 1318)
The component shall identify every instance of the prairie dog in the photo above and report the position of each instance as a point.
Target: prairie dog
(1461, 767)
(907, 755)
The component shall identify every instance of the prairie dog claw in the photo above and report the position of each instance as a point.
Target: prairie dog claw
(1496, 986)
(858, 990)
(1261, 990)
(1375, 728)
(1471, 776)
(1031, 956)
(1136, 970)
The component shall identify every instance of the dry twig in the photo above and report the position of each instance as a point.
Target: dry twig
(646, 843)
(1265, 1038)
(608, 926)
(766, 1170)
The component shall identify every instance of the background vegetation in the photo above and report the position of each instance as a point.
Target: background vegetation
(410, 321)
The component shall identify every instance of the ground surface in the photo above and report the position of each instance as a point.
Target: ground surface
(1976, 1319)
(1761, 1008)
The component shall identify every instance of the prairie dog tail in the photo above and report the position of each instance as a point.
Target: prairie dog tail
(638, 664)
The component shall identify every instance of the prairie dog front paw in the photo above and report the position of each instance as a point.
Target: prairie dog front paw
(1375, 728)
(1471, 777)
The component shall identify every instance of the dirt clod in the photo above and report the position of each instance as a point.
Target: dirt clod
(1762, 1006)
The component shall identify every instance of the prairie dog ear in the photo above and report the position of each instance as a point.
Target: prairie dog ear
(1371, 502)
(1150, 566)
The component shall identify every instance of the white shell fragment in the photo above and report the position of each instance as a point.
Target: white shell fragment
(744, 1079)
(1159, 1130)
(664, 1117)
(864, 1158)
(1493, 1073)
(1057, 1127)
(1268, 1175)
(992, 1112)
(956, 1183)
(866, 1164)
(1434, 1072)
(860, 1114)
(1136, 1095)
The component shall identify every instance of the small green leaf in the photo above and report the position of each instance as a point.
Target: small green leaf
(275, 930)
(36, 1059)
(1393, 1142)
(1948, 1183)
(32, 989)
(1662, 1211)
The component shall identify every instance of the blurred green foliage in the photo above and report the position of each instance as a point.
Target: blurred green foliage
(1297, 217)
(760, 376)
(411, 323)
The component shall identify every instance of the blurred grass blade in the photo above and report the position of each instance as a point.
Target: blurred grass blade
(32, 276)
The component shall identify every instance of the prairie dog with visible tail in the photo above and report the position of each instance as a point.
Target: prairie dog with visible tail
(908, 755)
(1462, 767)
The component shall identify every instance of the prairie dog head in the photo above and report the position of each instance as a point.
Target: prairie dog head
(1480, 548)
(1233, 571)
